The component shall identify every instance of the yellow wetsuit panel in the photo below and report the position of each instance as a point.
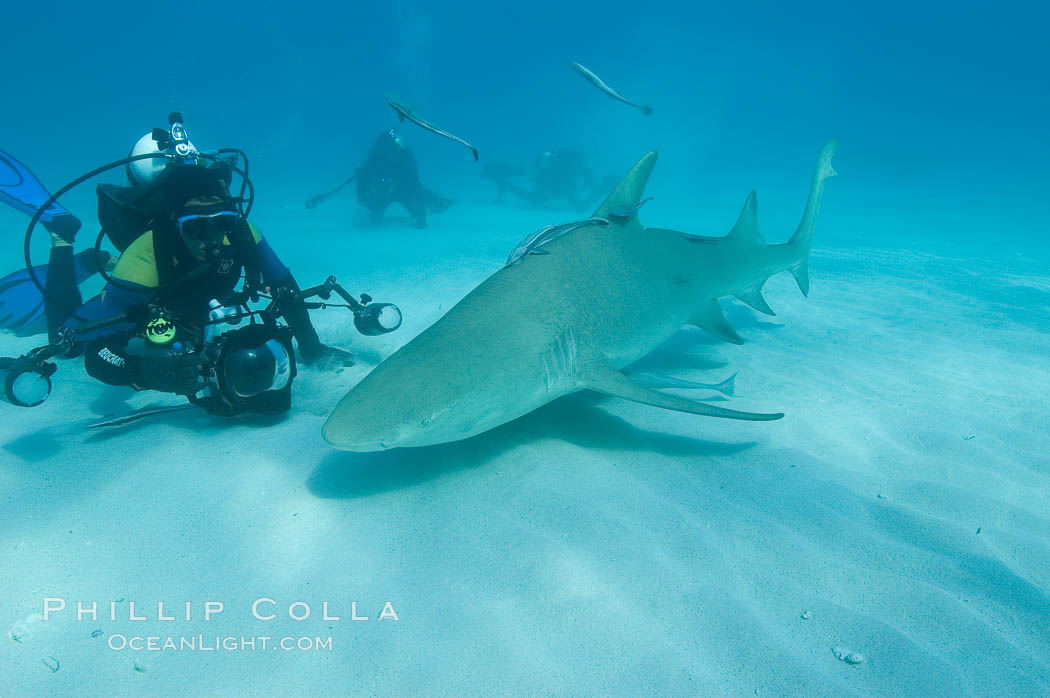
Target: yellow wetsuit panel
(137, 264)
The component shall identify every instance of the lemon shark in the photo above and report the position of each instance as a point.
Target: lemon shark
(601, 298)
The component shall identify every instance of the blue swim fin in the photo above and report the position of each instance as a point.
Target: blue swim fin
(22, 306)
(20, 188)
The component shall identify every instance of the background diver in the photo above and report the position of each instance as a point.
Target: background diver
(559, 175)
(389, 174)
(184, 242)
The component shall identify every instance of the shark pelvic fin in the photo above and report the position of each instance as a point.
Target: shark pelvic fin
(801, 274)
(746, 228)
(606, 379)
(753, 297)
(712, 318)
(630, 189)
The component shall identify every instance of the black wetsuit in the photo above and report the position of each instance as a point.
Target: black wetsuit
(389, 174)
(158, 261)
(565, 176)
(63, 293)
(560, 175)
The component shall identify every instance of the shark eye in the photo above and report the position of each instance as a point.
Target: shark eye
(424, 422)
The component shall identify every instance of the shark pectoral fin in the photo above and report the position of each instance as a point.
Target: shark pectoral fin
(606, 379)
(753, 297)
(710, 317)
(539, 250)
(401, 117)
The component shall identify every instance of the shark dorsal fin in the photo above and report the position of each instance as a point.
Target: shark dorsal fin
(630, 189)
(746, 228)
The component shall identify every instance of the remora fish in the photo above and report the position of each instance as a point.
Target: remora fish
(569, 321)
(628, 211)
(532, 243)
(405, 112)
(660, 380)
(600, 84)
(113, 421)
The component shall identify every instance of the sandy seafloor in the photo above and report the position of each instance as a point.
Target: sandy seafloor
(900, 511)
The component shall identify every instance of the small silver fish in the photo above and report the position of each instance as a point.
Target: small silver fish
(628, 211)
(600, 84)
(532, 243)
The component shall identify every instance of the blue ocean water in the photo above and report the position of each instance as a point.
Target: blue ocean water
(590, 547)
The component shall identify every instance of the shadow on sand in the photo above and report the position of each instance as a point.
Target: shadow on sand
(575, 419)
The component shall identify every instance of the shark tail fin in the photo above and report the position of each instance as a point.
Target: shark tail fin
(630, 189)
(802, 240)
(646, 109)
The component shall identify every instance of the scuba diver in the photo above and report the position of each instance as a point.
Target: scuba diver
(560, 175)
(161, 321)
(389, 174)
(195, 253)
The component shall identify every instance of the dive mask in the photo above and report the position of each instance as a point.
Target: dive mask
(208, 227)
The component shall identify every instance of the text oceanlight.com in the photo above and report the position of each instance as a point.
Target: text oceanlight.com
(201, 643)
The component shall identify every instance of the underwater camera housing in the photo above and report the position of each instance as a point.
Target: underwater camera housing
(245, 369)
(251, 370)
